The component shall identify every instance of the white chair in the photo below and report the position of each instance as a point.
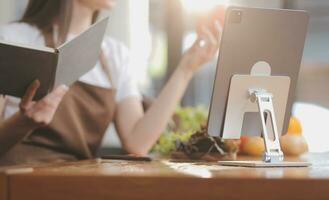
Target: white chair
(312, 107)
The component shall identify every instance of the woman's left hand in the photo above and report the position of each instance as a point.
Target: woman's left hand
(203, 49)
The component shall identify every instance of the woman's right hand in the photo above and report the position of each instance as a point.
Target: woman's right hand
(41, 112)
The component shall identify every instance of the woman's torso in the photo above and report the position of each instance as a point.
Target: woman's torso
(85, 112)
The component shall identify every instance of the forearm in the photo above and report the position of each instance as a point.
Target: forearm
(13, 130)
(148, 129)
(138, 131)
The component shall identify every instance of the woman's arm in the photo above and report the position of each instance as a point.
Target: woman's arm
(14, 130)
(138, 131)
(140, 138)
(31, 116)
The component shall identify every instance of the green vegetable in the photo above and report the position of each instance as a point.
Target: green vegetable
(184, 124)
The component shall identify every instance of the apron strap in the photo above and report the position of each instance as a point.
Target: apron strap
(106, 68)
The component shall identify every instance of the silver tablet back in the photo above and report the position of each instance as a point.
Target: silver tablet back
(251, 35)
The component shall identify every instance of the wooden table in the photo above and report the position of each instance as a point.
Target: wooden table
(165, 180)
(3, 187)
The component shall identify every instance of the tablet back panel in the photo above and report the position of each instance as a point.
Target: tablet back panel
(251, 35)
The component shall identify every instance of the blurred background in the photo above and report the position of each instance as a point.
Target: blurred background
(158, 31)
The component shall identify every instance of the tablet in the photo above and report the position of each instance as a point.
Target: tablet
(251, 36)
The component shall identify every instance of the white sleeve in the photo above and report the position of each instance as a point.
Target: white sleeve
(127, 86)
(7, 32)
(121, 70)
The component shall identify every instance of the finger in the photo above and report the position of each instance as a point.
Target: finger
(202, 42)
(29, 95)
(213, 47)
(219, 29)
(56, 95)
(43, 111)
(48, 105)
(43, 115)
(209, 36)
(196, 45)
(207, 43)
(207, 49)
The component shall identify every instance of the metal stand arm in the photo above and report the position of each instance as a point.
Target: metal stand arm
(273, 151)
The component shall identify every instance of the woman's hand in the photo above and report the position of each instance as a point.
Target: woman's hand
(41, 112)
(203, 49)
(32, 115)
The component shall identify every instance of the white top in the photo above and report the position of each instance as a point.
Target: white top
(116, 53)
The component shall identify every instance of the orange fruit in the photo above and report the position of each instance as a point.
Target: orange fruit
(243, 140)
(293, 145)
(295, 127)
(253, 146)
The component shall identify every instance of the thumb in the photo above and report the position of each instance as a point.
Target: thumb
(57, 94)
(29, 95)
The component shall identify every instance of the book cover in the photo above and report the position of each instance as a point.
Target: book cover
(21, 64)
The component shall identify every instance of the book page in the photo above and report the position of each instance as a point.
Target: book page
(2, 107)
(80, 55)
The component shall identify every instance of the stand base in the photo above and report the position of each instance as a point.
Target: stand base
(262, 164)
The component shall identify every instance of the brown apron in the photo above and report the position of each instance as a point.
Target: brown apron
(76, 131)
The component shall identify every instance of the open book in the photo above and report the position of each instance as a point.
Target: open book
(20, 64)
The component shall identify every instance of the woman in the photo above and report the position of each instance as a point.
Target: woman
(69, 123)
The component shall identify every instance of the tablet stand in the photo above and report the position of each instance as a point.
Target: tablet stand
(264, 101)
(250, 93)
